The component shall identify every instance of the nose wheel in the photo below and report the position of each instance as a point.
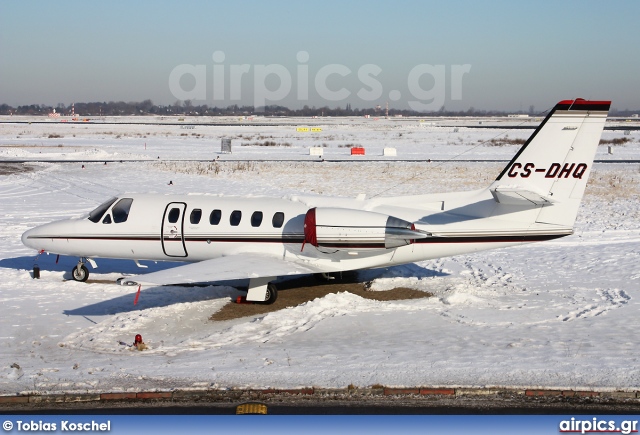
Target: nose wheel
(80, 272)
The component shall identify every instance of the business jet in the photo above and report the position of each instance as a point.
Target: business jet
(535, 198)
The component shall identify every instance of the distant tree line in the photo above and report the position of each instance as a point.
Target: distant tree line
(187, 108)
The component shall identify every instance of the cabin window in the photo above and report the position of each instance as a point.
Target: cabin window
(121, 210)
(235, 218)
(195, 216)
(99, 211)
(256, 218)
(214, 217)
(174, 215)
(107, 219)
(278, 219)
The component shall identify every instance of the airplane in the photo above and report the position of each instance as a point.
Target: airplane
(535, 198)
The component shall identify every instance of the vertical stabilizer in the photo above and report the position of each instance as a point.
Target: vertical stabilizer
(552, 168)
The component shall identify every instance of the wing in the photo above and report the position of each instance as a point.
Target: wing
(239, 266)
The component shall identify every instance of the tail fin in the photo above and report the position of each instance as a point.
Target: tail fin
(552, 167)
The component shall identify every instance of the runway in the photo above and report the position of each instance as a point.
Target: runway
(292, 122)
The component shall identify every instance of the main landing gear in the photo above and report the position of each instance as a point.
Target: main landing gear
(323, 277)
(272, 294)
(261, 291)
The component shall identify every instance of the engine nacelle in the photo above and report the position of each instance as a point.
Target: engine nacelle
(357, 230)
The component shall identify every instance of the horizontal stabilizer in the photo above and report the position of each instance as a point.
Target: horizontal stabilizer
(514, 195)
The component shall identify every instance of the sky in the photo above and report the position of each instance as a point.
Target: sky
(422, 55)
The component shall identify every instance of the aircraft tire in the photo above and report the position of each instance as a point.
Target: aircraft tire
(272, 294)
(80, 275)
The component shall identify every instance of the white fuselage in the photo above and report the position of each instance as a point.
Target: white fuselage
(194, 228)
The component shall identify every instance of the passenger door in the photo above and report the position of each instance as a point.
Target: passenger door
(172, 232)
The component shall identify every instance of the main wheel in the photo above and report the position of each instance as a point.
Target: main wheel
(272, 294)
(80, 273)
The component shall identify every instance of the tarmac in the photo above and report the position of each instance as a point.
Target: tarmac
(333, 401)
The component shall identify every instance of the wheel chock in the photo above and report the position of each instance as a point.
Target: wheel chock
(243, 300)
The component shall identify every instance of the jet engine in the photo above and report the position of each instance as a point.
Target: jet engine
(357, 230)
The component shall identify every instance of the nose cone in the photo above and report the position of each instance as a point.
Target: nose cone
(42, 236)
(53, 237)
(29, 239)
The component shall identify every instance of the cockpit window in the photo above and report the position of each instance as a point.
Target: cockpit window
(120, 211)
(96, 214)
(107, 219)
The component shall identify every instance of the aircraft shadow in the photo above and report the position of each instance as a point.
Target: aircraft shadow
(469, 212)
(359, 276)
(154, 297)
(402, 271)
(158, 296)
(66, 263)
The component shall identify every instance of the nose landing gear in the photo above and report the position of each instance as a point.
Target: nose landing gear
(80, 272)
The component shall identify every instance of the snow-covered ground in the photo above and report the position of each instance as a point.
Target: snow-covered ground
(161, 138)
(561, 314)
